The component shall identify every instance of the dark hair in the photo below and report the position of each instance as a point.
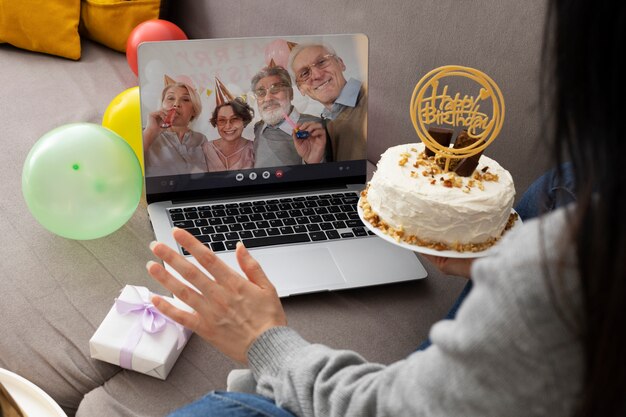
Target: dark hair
(584, 42)
(240, 108)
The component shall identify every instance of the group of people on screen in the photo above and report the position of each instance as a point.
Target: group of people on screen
(282, 136)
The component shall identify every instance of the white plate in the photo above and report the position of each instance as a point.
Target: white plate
(31, 399)
(429, 251)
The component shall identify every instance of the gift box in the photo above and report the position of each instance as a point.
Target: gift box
(135, 335)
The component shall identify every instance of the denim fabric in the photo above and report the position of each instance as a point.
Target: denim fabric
(232, 404)
(547, 193)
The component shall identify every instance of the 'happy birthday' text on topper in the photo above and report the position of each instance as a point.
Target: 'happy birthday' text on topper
(433, 103)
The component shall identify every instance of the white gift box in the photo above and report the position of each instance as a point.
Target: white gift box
(136, 336)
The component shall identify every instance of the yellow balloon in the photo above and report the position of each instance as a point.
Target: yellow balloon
(123, 116)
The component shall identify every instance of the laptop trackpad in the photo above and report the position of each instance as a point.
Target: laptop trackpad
(295, 269)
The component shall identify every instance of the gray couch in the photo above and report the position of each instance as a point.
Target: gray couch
(55, 292)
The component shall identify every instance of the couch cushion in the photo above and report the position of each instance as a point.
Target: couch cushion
(99, 16)
(55, 291)
(42, 26)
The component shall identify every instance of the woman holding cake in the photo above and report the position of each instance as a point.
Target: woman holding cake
(540, 334)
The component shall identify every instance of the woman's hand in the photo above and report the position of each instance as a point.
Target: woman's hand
(311, 149)
(230, 311)
(461, 267)
(153, 128)
(156, 119)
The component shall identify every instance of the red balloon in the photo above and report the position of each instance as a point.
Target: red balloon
(150, 30)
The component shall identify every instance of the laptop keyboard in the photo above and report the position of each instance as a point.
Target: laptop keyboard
(271, 222)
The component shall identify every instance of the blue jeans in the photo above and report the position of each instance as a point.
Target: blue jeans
(235, 404)
(547, 193)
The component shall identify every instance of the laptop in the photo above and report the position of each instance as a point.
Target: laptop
(295, 211)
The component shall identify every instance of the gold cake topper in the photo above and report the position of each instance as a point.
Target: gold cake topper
(457, 110)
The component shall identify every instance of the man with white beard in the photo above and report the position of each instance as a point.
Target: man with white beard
(275, 140)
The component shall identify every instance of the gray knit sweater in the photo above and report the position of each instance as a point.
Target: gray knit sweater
(509, 352)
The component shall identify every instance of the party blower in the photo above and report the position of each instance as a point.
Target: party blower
(300, 134)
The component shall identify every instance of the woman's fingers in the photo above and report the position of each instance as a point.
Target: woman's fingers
(438, 261)
(189, 320)
(186, 294)
(460, 267)
(206, 257)
(186, 269)
(251, 267)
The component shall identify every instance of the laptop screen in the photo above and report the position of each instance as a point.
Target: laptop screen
(251, 113)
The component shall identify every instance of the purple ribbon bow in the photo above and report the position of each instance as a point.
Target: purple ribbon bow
(152, 321)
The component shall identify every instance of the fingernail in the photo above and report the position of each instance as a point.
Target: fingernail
(152, 244)
(149, 264)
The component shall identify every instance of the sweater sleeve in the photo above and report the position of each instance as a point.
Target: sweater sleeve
(506, 353)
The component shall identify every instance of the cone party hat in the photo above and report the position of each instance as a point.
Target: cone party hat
(222, 95)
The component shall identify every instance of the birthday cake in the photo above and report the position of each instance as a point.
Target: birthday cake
(412, 198)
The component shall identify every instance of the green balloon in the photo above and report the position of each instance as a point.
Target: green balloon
(82, 181)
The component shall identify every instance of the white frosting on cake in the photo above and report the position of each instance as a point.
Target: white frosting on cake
(422, 206)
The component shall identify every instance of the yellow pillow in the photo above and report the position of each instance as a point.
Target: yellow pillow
(109, 22)
(42, 26)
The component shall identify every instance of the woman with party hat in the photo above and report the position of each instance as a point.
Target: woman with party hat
(171, 147)
(231, 150)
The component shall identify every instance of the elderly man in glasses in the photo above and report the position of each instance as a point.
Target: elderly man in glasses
(318, 73)
(276, 140)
